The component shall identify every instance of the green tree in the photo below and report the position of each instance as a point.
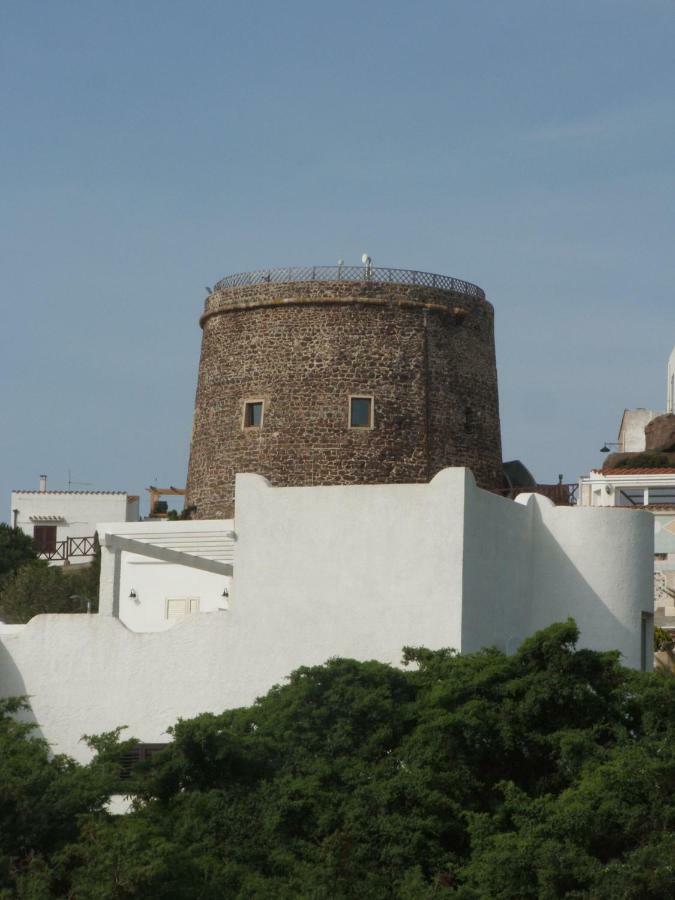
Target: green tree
(546, 774)
(472, 776)
(35, 589)
(16, 549)
(43, 799)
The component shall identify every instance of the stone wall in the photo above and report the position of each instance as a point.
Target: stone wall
(425, 355)
(660, 433)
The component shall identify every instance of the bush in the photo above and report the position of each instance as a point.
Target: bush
(37, 588)
(16, 549)
(644, 461)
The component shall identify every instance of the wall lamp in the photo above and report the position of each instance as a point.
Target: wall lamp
(226, 592)
(607, 445)
(133, 595)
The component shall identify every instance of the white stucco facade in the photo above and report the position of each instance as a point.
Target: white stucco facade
(632, 429)
(357, 571)
(71, 515)
(180, 568)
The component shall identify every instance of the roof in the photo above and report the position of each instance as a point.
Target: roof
(646, 470)
(118, 493)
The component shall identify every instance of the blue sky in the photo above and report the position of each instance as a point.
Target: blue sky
(149, 148)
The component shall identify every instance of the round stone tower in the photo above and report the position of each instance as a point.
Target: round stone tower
(342, 375)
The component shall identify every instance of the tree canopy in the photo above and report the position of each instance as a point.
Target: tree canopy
(16, 549)
(545, 774)
(32, 587)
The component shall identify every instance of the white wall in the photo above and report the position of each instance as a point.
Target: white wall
(88, 674)
(595, 565)
(497, 571)
(357, 571)
(632, 429)
(154, 582)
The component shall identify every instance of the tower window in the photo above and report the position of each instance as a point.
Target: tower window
(360, 412)
(253, 414)
(469, 420)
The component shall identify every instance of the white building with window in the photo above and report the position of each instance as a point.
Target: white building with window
(157, 572)
(625, 485)
(63, 523)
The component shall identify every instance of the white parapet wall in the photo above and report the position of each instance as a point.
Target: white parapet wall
(357, 571)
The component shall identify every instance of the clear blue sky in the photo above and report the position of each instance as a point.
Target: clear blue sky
(149, 148)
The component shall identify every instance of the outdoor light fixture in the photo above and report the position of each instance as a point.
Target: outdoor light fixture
(607, 445)
(132, 594)
(225, 593)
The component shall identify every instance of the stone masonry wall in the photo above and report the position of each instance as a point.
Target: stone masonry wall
(425, 355)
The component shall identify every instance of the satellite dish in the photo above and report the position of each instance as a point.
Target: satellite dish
(365, 258)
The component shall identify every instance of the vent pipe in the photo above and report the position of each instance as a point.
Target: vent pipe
(43, 484)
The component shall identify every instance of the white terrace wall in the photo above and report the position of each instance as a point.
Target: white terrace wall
(357, 571)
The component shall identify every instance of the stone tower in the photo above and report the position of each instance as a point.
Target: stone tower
(342, 375)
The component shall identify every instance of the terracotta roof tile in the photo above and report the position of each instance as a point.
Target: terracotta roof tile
(641, 471)
(19, 491)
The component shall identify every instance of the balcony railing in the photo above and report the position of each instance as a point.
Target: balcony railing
(365, 273)
(70, 548)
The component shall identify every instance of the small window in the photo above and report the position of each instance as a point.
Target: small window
(253, 414)
(360, 412)
(178, 607)
(469, 420)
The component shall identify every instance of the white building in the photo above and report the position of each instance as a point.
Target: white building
(646, 488)
(356, 571)
(155, 572)
(632, 429)
(63, 523)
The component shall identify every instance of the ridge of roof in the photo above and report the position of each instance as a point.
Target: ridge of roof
(640, 470)
(20, 491)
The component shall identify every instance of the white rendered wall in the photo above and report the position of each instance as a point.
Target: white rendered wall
(497, 571)
(154, 582)
(595, 565)
(632, 429)
(356, 571)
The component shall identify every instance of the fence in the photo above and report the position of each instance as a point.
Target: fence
(351, 273)
(68, 549)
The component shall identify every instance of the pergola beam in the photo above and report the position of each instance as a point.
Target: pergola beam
(116, 542)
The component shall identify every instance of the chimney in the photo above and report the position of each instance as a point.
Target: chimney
(43, 484)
